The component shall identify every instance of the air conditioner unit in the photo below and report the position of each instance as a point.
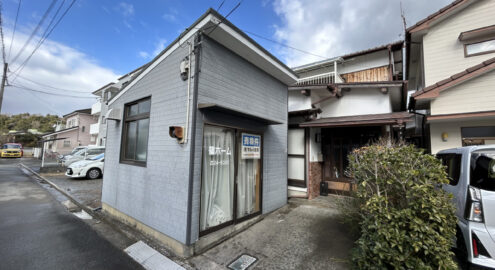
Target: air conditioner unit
(114, 114)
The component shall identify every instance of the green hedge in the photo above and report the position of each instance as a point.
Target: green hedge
(405, 220)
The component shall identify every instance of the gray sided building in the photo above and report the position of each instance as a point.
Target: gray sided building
(197, 142)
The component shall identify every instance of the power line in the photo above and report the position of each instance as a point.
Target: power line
(1, 35)
(44, 37)
(220, 6)
(226, 16)
(49, 86)
(35, 30)
(48, 93)
(15, 25)
(284, 45)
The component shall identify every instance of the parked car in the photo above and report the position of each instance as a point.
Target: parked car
(12, 150)
(471, 171)
(67, 156)
(85, 153)
(91, 168)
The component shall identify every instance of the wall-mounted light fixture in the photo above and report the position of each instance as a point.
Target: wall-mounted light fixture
(445, 136)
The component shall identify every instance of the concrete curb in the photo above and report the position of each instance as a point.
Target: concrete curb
(133, 235)
(72, 199)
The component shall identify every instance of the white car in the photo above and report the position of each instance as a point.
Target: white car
(75, 150)
(85, 153)
(471, 171)
(91, 168)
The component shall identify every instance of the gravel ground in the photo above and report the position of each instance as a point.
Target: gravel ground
(86, 191)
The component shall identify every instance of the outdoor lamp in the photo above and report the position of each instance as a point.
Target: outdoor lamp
(445, 136)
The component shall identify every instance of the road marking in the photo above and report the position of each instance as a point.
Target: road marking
(82, 215)
(149, 258)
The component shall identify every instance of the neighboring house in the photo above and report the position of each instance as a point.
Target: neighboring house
(452, 69)
(74, 131)
(340, 104)
(226, 97)
(100, 108)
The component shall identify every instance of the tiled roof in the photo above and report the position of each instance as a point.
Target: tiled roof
(459, 77)
(357, 120)
(440, 12)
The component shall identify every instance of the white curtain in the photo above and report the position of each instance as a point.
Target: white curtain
(247, 176)
(217, 186)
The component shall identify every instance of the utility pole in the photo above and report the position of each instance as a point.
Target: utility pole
(2, 87)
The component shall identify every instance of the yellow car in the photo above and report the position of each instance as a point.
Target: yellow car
(11, 150)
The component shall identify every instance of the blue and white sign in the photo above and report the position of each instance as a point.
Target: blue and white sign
(251, 146)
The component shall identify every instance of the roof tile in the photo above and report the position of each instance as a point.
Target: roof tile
(458, 75)
(474, 68)
(442, 82)
(489, 61)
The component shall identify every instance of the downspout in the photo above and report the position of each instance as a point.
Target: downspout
(186, 131)
(192, 152)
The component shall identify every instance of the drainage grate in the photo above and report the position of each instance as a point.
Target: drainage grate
(243, 262)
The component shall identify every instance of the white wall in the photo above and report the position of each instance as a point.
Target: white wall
(298, 101)
(444, 53)
(475, 95)
(315, 152)
(356, 102)
(453, 129)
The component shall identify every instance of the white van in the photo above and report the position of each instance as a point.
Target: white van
(471, 171)
(86, 153)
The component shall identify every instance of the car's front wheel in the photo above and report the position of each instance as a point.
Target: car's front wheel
(93, 173)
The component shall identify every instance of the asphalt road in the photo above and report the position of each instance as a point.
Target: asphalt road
(37, 232)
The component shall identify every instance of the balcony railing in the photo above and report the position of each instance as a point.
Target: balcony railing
(325, 78)
(96, 108)
(94, 128)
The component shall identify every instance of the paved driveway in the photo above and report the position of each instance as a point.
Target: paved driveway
(302, 235)
(36, 232)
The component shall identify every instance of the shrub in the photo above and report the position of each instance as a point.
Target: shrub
(406, 221)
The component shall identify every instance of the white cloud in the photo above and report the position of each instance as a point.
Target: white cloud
(159, 46)
(125, 9)
(171, 16)
(57, 65)
(144, 54)
(331, 28)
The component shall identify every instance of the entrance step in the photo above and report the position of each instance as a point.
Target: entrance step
(340, 186)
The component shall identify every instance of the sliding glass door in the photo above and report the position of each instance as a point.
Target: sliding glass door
(248, 175)
(217, 187)
(231, 177)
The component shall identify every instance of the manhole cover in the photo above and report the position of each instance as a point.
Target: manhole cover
(243, 262)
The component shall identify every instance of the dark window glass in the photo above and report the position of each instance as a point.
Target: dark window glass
(483, 170)
(136, 129)
(453, 164)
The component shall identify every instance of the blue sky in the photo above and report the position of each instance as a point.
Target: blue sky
(119, 34)
(100, 40)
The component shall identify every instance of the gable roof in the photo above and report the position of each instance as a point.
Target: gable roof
(230, 37)
(434, 90)
(440, 14)
(394, 45)
(85, 111)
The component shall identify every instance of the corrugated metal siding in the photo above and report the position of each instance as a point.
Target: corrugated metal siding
(227, 79)
(155, 195)
(475, 95)
(444, 53)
